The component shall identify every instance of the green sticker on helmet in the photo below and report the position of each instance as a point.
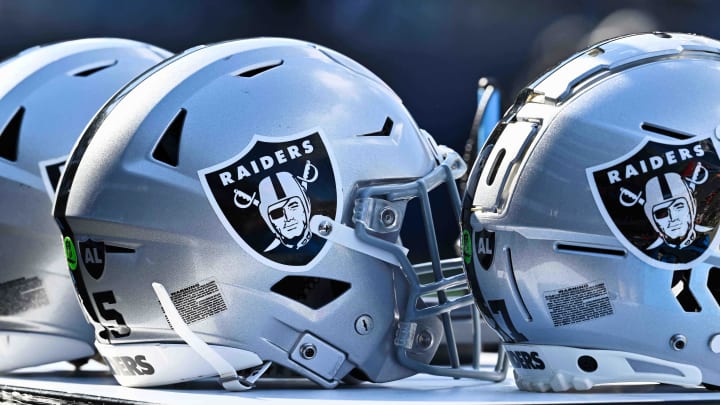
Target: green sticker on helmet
(466, 246)
(70, 253)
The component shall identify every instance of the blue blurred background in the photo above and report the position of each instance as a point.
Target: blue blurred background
(431, 52)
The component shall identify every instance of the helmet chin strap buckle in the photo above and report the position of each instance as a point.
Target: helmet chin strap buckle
(229, 378)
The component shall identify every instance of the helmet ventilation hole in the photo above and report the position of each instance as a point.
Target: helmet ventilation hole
(257, 69)
(168, 148)
(385, 131)
(86, 71)
(588, 250)
(514, 287)
(665, 131)
(662, 34)
(495, 166)
(713, 283)
(587, 364)
(681, 290)
(10, 136)
(314, 292)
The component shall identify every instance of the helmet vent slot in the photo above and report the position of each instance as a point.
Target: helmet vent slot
(514, 287)
(167, 149)
(681, 290)
(313, 292)
(257, 69)
(117, 249)
(713, 283)
(495, 166)
(665, 131)
(86, 71)
(385, 131)
(10, 136)
(588, 250)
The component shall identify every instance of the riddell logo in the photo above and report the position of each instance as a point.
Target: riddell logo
(528, 361)
(129, 366)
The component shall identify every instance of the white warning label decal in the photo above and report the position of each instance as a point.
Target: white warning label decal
(579, 303)
(198, 301)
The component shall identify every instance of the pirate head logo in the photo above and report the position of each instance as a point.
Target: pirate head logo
(266, 195)
(660, 200)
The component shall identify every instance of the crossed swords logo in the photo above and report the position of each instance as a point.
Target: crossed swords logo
(629, 198)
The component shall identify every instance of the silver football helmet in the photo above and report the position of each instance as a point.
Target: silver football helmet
(47, 96)
(591, 216)
(247, 199)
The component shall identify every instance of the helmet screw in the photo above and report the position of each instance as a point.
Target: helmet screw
(424, 339)
(388, 216)
(364, 324)
(308, 351)
(325, 228)
(678, 342)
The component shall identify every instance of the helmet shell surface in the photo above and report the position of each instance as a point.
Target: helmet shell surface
(216, 176)
(48, 94)
(591, 218)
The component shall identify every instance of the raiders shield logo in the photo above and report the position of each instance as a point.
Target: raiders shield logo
(266, 195)
(660, 200)
(92, 254)
(51, 170)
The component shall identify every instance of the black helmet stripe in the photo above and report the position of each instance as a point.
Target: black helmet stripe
(664, 188)
(279, 191)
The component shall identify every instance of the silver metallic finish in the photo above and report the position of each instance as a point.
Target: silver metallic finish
(388, 216)
(325, 228)
(714, 343)
(58, 88)
(678, 342)
(116, 192)
(364, 324)
(425, 339)
(308, 351)
(584, 113)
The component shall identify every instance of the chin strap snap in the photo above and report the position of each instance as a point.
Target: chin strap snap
(229, 377)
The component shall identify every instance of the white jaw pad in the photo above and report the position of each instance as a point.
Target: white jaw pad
(557, 368)
(21, 349)
(152, 364)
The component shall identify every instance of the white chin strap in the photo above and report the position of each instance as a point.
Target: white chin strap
(229, 377)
